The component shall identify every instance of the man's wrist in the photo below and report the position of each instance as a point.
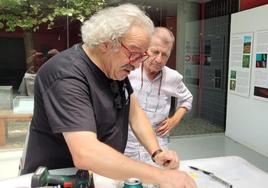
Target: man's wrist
(155, 154)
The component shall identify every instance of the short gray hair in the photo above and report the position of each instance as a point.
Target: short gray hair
(165, 35)
(112, 23)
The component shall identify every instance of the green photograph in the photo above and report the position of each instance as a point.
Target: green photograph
(233, 74)
(232, 84)
(246, 59)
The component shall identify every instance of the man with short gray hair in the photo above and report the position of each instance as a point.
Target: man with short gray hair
(154, 84)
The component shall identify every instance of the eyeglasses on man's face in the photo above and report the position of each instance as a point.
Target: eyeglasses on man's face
(135, 56)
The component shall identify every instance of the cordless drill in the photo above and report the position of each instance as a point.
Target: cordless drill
(81, 179)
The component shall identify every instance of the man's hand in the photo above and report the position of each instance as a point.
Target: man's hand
(168, 159)
(164, 127)
(177, 179)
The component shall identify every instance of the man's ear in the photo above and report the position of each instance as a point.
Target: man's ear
(104, 46)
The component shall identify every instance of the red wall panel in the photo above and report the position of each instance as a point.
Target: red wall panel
(247, 4)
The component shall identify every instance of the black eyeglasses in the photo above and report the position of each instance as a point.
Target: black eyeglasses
(135, 56)
(121, 96)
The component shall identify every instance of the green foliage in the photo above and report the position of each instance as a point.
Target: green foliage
(29, 14)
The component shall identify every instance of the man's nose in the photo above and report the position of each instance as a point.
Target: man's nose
(158, 58)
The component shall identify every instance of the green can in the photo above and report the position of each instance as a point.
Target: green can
(132, 183)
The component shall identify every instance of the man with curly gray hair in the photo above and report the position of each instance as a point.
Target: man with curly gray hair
(84, 101)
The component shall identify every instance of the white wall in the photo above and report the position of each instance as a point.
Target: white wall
(247, 118)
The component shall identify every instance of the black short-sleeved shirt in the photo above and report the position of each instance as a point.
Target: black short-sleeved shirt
(73, 94)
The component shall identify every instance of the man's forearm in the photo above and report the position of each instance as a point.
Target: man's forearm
(176, 118)
(89, 153)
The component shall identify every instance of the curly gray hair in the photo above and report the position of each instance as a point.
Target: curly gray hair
(112, 23)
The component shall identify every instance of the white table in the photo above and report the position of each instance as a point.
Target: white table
(235, 170)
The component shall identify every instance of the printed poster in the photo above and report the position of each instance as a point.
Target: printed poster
(240, 63)
(260, 68)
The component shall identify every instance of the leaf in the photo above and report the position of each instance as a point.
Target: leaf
(28, 14)
(44, 19)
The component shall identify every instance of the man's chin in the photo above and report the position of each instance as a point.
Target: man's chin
(125, 74)
(121, 77)
(156, 70)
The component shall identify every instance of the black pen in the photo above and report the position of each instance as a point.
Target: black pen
(213, 176)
